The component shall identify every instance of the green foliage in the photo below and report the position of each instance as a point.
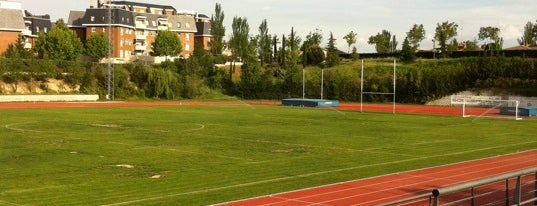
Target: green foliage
(17, 50)
(312, 52)
(384, 42)
(167, 43)
(332, 53)
(351, 39)
(218, 30)
(60, 43)
(408, 52)
(444, 32)
(97, 46)
(264, 43)
(529, 37)
(239, 40)
(415, 36)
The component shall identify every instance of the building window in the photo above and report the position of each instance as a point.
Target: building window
(93, 29)
(46, 30)
(187, 25)
(36, 29)
(104, 29)
(187, 47)
(92, 18)
(121, 32)
(179, 25)
(187, 37)
(121, 43)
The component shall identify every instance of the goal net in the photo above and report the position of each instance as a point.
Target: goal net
(491, 108)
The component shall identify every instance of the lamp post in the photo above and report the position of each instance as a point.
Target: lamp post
(322, 83)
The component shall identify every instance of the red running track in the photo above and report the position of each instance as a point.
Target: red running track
(385, 189)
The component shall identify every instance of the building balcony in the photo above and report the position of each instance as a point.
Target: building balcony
(141, 25)
(26, 32)
(140, 37)
(140, 47)
(163, 27)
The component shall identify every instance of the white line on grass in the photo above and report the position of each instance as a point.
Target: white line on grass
(178, 150)
(11, 127)
(308, 175)
(8, 203)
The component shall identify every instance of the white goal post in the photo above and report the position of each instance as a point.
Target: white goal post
(491, 108)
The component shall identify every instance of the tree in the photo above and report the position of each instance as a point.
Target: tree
(240, 35)
(408, 53)
(17, 50)
(312, 53)
(491, 34)
(60, 43)
(444, 32)
(471, 45)
(97, 46)
(167, 43)
(384, 42)
(415, 36)
(529, 36)
(332, 56)
(218, 31)
(264, 43)
(351, 39)
(238, 42)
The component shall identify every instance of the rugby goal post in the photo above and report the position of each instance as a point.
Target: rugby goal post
(378, 93)
(491, 108)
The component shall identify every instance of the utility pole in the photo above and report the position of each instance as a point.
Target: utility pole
(110, 76)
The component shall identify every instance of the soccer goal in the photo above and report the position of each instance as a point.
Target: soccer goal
(491, 108)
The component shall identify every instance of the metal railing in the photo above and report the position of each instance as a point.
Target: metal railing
(521, 194)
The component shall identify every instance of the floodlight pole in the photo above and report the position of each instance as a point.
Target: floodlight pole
(110, 70)
(394, 82)
(303, 84)
(362, 88)
(322, 83)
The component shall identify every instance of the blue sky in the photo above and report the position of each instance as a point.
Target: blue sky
(365, 17)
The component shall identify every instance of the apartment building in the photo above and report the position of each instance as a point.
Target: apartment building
(203, 35)
(134, 26)
(14, 21)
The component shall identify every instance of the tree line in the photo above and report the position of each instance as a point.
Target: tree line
(273, 65)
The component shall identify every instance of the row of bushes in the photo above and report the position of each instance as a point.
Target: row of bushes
(196, 77)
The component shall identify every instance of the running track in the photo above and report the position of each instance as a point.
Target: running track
(385, 189)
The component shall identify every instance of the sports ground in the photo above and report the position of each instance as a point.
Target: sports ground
(246, 153)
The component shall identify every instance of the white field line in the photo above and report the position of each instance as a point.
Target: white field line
(8, 203)
(306, 175)
(180, 151)
(11, 127)
(371, 150)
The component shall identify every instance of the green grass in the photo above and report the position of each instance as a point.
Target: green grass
(206, 155)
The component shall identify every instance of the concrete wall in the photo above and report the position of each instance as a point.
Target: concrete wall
(48, 98)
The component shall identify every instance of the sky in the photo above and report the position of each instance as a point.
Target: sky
(364, 17)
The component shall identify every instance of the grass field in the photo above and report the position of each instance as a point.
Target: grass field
(199, 155)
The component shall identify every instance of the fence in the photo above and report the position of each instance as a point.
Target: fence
(513, 189)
